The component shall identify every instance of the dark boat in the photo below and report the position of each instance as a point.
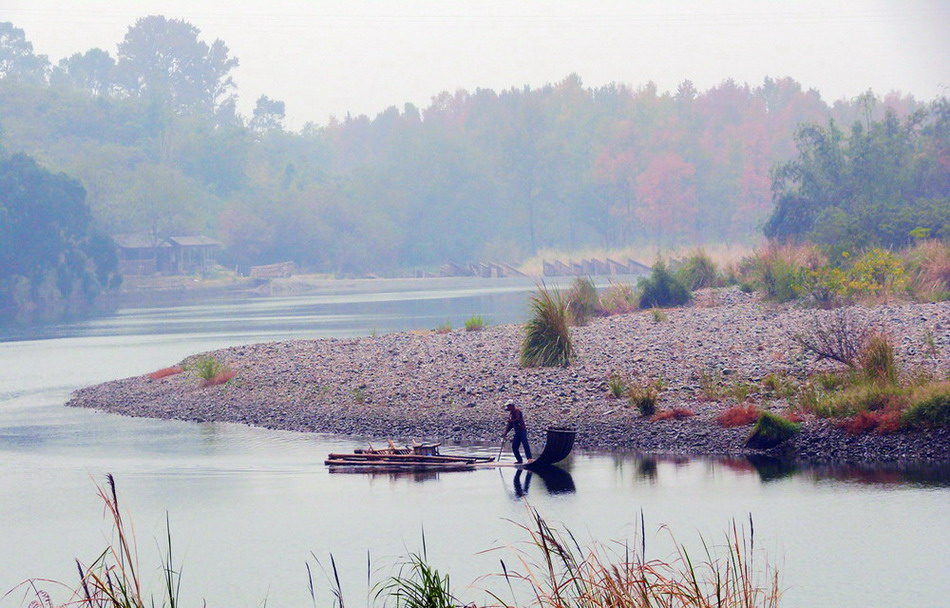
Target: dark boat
(559, 443)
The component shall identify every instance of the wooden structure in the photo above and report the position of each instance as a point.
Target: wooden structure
(592, 267)
(411, 456)
(143, 254)
(560, 442)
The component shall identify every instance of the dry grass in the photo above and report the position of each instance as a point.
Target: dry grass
(165, 372)
(739, 415)
(113, 579)
(930, 264)
(562, 574)
(219, 378)
(676, 413)
(880, 421)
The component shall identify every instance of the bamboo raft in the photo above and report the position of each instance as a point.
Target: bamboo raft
(559, 443)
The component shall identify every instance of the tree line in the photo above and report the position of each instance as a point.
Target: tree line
(154, 136)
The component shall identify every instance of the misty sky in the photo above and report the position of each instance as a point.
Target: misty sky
(328, 58)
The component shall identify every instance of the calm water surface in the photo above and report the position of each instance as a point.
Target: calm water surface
(249, 506)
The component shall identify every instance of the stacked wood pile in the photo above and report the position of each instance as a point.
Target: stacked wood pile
(281, 270)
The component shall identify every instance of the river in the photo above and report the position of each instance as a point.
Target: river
(250, 507)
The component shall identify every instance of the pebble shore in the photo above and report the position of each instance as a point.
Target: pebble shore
(452, 386)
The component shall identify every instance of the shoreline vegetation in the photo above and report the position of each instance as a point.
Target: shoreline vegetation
(547, 568)
(703, 375)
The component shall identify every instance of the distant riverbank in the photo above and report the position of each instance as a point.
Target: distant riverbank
(427, 385)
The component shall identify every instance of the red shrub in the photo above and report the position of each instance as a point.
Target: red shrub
(881, 421)
(220, 378)
(739, 415)
(794, 417)
(166, 371)
(677, 413)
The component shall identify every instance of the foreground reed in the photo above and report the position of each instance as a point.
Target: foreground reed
(559, 573)
(552, 571)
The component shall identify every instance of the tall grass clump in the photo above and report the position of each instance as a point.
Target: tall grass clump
(582, 300)
(928, 264)
(662, 288)
(644, 398)
(776, 270)
(619, 298)
(562, 574)
(114, 578)
(878, 361)
(547, 340)
(418, 585)
(698, 271)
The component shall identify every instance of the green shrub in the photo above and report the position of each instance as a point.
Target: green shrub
(208, 367)
(582, 300)
(619, 298)
(418, 585)
(770, 430)
(710, 385)
(661, 288)
(746, 287)
(547, 340)
(740, 391)
(658, 315)
(698, 271)
(443, 328)
(779, 386)
(475, 323)
(644, 398)
(930, 407)
(616, 385)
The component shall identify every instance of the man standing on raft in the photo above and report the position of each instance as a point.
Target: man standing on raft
(516, 422)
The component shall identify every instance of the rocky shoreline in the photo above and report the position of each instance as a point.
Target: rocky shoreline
(452, 386)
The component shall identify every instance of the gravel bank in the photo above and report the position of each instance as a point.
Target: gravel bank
(452, 386)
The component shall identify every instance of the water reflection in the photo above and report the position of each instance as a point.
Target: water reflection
(652, 468)
(399, 472)
(555, 479)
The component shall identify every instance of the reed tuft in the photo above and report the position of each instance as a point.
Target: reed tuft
(547, 340)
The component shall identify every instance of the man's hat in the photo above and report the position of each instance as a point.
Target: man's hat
(509, 403)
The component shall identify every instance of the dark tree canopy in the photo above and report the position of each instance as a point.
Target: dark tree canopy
(51, 260)
(882, 183)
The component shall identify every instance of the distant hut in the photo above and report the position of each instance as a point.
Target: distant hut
(142, 254)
